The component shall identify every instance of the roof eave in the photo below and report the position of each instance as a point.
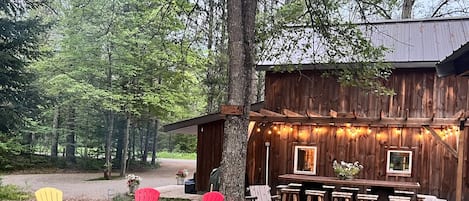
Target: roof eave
(455, 64)
(397, 64)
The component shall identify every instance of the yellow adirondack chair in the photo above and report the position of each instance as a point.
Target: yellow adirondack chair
(48, 194)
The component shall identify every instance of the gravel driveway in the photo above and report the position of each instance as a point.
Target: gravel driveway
(77, 185)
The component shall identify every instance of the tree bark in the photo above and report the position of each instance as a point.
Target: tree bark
(147, 141)
(125, 148)
(155, 137)
(70, 139)
(110, 117)
(110, 130)
(241, 15)
(407, 7)
(55, 134)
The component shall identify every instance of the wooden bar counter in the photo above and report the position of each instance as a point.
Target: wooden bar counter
(350, 182)
(379, 187)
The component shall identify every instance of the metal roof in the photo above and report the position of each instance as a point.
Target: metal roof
(410, 41)
(457, 63)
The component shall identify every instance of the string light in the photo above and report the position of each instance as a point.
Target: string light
(258, 130)
(340, 131)
(398, 131)
(269, 132)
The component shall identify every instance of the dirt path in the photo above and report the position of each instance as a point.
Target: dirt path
(78, 184)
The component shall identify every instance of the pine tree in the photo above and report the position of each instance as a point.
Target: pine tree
(19, 45)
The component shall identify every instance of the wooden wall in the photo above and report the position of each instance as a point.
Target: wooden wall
(209, 151)
(419, 93)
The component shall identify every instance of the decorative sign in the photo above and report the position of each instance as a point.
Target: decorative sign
(232, 109)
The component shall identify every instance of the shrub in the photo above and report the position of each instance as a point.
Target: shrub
(12, 192)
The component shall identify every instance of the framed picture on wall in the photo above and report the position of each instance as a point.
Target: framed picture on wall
(305, 160)
(399, 162)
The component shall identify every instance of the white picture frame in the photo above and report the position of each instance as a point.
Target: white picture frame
(305, 160)
(399, 162)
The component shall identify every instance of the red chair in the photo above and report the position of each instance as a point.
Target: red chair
(147, 194)
(213, 196)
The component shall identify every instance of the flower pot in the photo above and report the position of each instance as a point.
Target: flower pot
(132, 189)
(180, 180)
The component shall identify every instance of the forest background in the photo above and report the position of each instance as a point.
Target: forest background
(86, 80)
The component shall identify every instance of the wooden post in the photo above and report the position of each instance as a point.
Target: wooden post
(459, 177)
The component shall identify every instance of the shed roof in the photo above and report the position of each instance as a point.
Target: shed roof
(421, 42)
(457, 63)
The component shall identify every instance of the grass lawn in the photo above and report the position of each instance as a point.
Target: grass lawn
(176, 155)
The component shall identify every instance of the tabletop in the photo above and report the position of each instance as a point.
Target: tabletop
(350, 182)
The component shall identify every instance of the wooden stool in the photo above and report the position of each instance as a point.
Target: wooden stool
(279, 187)
(366, 197)
(336, 196)
(328, 190)
(294, 185)
(398, 198)
(310, 194)
(290, 194)
(404, 193)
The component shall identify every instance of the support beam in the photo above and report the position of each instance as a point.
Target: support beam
(438, 139)
(461, 147)
(383, 121)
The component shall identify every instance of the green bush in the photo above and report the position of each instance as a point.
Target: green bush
(12, 192)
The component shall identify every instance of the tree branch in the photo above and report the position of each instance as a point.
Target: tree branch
(439, 7)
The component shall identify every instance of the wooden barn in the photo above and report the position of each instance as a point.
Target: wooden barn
(418, 136)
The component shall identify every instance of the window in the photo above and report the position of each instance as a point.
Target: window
(399, 162)
(305, 160)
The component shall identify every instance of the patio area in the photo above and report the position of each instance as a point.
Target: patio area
(176, 191)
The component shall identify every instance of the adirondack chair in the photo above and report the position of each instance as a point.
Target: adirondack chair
(147, 194)
(213, 196)
(48, 194)
(262, 193)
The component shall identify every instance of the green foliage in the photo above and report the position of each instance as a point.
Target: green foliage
(183, 143)
(19, 45)
(177, 155)
(316, 31)
(12, 192)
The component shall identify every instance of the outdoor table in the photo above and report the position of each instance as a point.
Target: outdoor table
(379, 187)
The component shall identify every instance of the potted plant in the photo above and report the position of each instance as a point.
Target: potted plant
(181, 175)
(345, 170)
(133, 181)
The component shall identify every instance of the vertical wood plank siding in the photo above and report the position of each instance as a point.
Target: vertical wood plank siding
(419, 93)
(209, 151)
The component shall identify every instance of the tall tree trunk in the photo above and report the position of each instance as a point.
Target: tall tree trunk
(110, 130)
(54, 150)
(407, 7)
(70, 139)
(119, 133)
(110, 119)
(137, 130)
(155, 137)
(211, 71)
(147, 141)
(125, 147)
(241, 22)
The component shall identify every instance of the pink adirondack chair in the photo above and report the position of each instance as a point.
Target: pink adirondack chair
(147, 194)
(213, 196)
